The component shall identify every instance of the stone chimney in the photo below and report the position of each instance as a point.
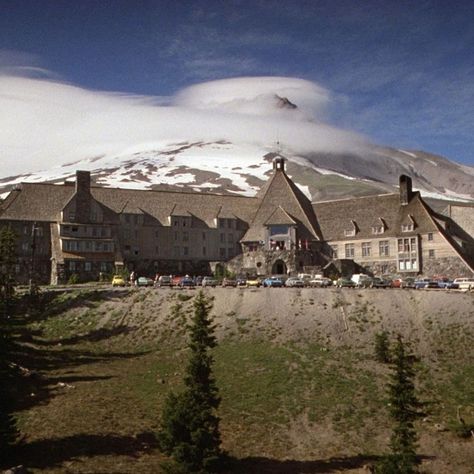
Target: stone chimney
(406, 192)
(83, 196)
(279, 164)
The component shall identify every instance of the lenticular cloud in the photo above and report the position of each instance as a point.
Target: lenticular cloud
(44, 123)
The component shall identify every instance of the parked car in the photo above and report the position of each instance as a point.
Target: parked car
(254, 282)
(294, 282)
(433, 284)
(186, 282)
(408, 282)
(145, 281)
(241, 281)
(198, 281)
(465, 283)
(229, 282)
(320, 282)
(209, 281)
(378, 282)
(421, 283)
(118, 280)
(273, 282)
(176, 280)
(164, 280)
(361, 280)
(306, 277)
(345, 283)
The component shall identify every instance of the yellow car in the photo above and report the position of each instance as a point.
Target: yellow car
(118, 280)
(254, 281)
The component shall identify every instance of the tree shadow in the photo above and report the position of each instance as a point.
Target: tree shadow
(49, 453)
(263, 465)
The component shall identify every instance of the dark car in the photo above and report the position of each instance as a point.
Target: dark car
(272, 282)
(186, 282)
(380, 283)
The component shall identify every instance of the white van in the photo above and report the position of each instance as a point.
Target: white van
(361, 279)
(464, 283)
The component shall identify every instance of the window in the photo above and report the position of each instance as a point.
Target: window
(431, 253)
(175, 251)
(230, 237)
(176, 236)
(377, 229)
(334, 251)
(349, 232)
(203, 236)
(204, 251)
(430, 236)
(407, 227)
(185, 236)
(25, 246)
(366, 249)
(185, 251)
(157, 234)
(222, 238)
(349, 250)
(176, 222)
(103, 266)
(94, 231)
(221, 223)
(72, 216)
(75, 229)
(157, 250)
(222, 252)
(87, 266)
(229, 223)
(39, 231)
(72, 266)
(384, 248)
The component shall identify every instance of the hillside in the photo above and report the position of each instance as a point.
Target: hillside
(300, 389)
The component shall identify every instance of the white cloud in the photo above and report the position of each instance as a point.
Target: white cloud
(45, 123)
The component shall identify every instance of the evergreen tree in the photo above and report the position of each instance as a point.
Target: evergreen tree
(382, 347)
(190, 427)
(403, 411)
(8, 431)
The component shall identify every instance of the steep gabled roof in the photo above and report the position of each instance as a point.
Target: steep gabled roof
(280, 217)
(280, 191)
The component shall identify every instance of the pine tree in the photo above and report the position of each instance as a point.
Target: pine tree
(8, 430)
(403, 411)
(382, 347)
(190, 427)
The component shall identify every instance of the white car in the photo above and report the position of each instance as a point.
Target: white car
(320, 282)
(464, 283)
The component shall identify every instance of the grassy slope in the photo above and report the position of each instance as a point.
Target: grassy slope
(292, 401)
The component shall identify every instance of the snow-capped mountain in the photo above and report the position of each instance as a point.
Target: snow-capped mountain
(217, 137)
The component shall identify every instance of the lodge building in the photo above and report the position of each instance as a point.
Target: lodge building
(83, 230)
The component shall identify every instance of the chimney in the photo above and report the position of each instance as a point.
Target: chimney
(406, 192)
(83, 196)
(279, 164)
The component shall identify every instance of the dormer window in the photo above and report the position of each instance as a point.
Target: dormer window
(378, 229)
(351, 231)
(407, 227)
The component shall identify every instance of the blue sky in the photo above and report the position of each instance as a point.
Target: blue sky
(400, 72)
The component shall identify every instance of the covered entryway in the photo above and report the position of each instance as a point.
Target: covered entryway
(279, 268)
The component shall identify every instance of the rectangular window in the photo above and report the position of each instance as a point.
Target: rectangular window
(222, 238)
(157, 234)
(377, 229)
(230, 237)
(176, 236)
(430, 236)
(407, 227)
(157, 250)
(72, 266)
(203, 236)
(221, 223)
(103, 266)
(366, 249)
(72, 216)
(204, 251)
(222, 252)
(25, 246)
(75, 229)
(349, 250)
(431, 253)
(185, 236)
(185, 251)
(39, 231)
(87, 266)
(384, 248)
(349, 232)
(229, 223)
(334, 251)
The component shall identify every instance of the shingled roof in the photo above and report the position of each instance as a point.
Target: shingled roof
(44, 202)
(280, 191)
(335, 217)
